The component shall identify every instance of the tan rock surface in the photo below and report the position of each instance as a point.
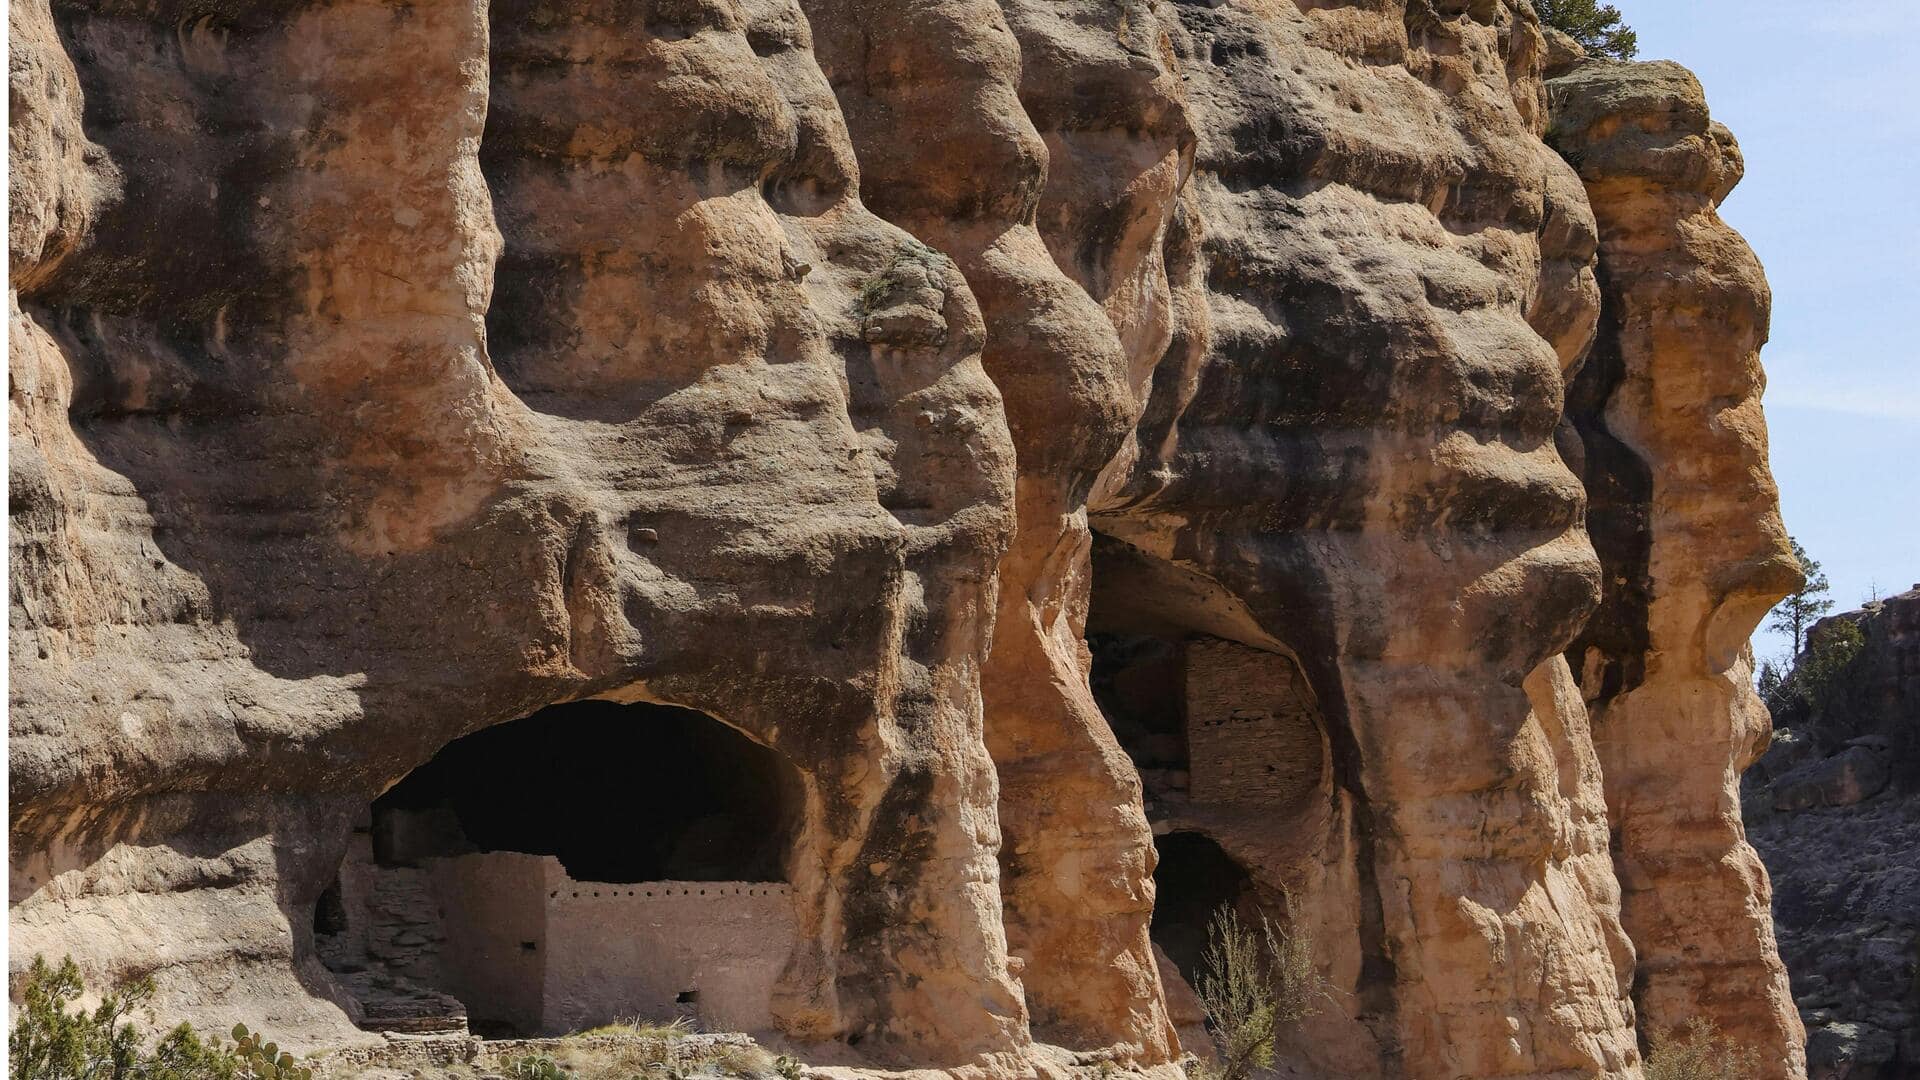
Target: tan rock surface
(384, 372)
(1687, 519)
(1364, 455)
(340, 490)
(1071, 114)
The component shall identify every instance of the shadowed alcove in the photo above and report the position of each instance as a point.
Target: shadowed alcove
(617, 793)
(591, 861)
(1225, 732)
(1195, 879)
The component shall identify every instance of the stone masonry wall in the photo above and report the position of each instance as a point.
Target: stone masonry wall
(1250, 728)
(528, 949)
(708, 949)
(496, 955)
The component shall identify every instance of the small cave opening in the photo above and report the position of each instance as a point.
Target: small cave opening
(592, 861)
(1194, 880)
(330, 911)
(1226, 733)
(618, 793)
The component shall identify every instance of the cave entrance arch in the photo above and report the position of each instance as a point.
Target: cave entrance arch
(589, 862)
(1226, 734)
(1195, 879)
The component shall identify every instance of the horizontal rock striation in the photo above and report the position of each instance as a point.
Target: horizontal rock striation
(1117, 459)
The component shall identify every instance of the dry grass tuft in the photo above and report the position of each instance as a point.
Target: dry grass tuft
(1256, 982)
(678, 1027)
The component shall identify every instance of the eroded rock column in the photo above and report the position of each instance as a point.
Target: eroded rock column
(316, 490)
(1687, 519)
(1075, 850)
(1365, 457)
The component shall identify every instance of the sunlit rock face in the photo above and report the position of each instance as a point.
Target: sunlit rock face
(430, 364)
(1071, 116)
(1668, 411)
(1116, 459)
(1357, 444)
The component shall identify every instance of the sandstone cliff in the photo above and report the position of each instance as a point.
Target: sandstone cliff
(1107, 459)
(1666, 416)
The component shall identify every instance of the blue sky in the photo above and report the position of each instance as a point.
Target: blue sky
(1825, 100)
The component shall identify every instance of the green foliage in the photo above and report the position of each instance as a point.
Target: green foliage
(787, 1066)
(52, 1040)
(49, 1043)
(1702, 1055)
(537, 1067)
(874, 291)
(1596, 26)
(1254, 984)
(1824, 681)
(181, 1054)
(1769, 682)
(264, 1059)
(881, 289)
(1800, 610)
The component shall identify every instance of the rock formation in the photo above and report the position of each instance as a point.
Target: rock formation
(1835, 811)
(1361, 456)
(1685, 517)
(1067, 439)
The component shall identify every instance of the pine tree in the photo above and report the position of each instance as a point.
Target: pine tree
(1797, 613)
(1596, 26)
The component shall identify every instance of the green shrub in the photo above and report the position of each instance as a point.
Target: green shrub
(1702, 1055)
(1827, 681)
(1796, 613)
(264, 1059)
(879, 289)
(51, 1041)
(1254, 984)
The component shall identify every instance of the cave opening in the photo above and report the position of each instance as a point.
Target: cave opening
(1139, 683)
(1194, 880)
(592, 861)
(618, 793)
(1225, 731)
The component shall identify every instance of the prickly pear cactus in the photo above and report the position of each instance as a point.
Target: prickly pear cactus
(265, 1060)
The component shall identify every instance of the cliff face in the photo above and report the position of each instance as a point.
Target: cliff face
(1667, 415)
(1360, 452)
(1072, 439)
(1835, 805)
